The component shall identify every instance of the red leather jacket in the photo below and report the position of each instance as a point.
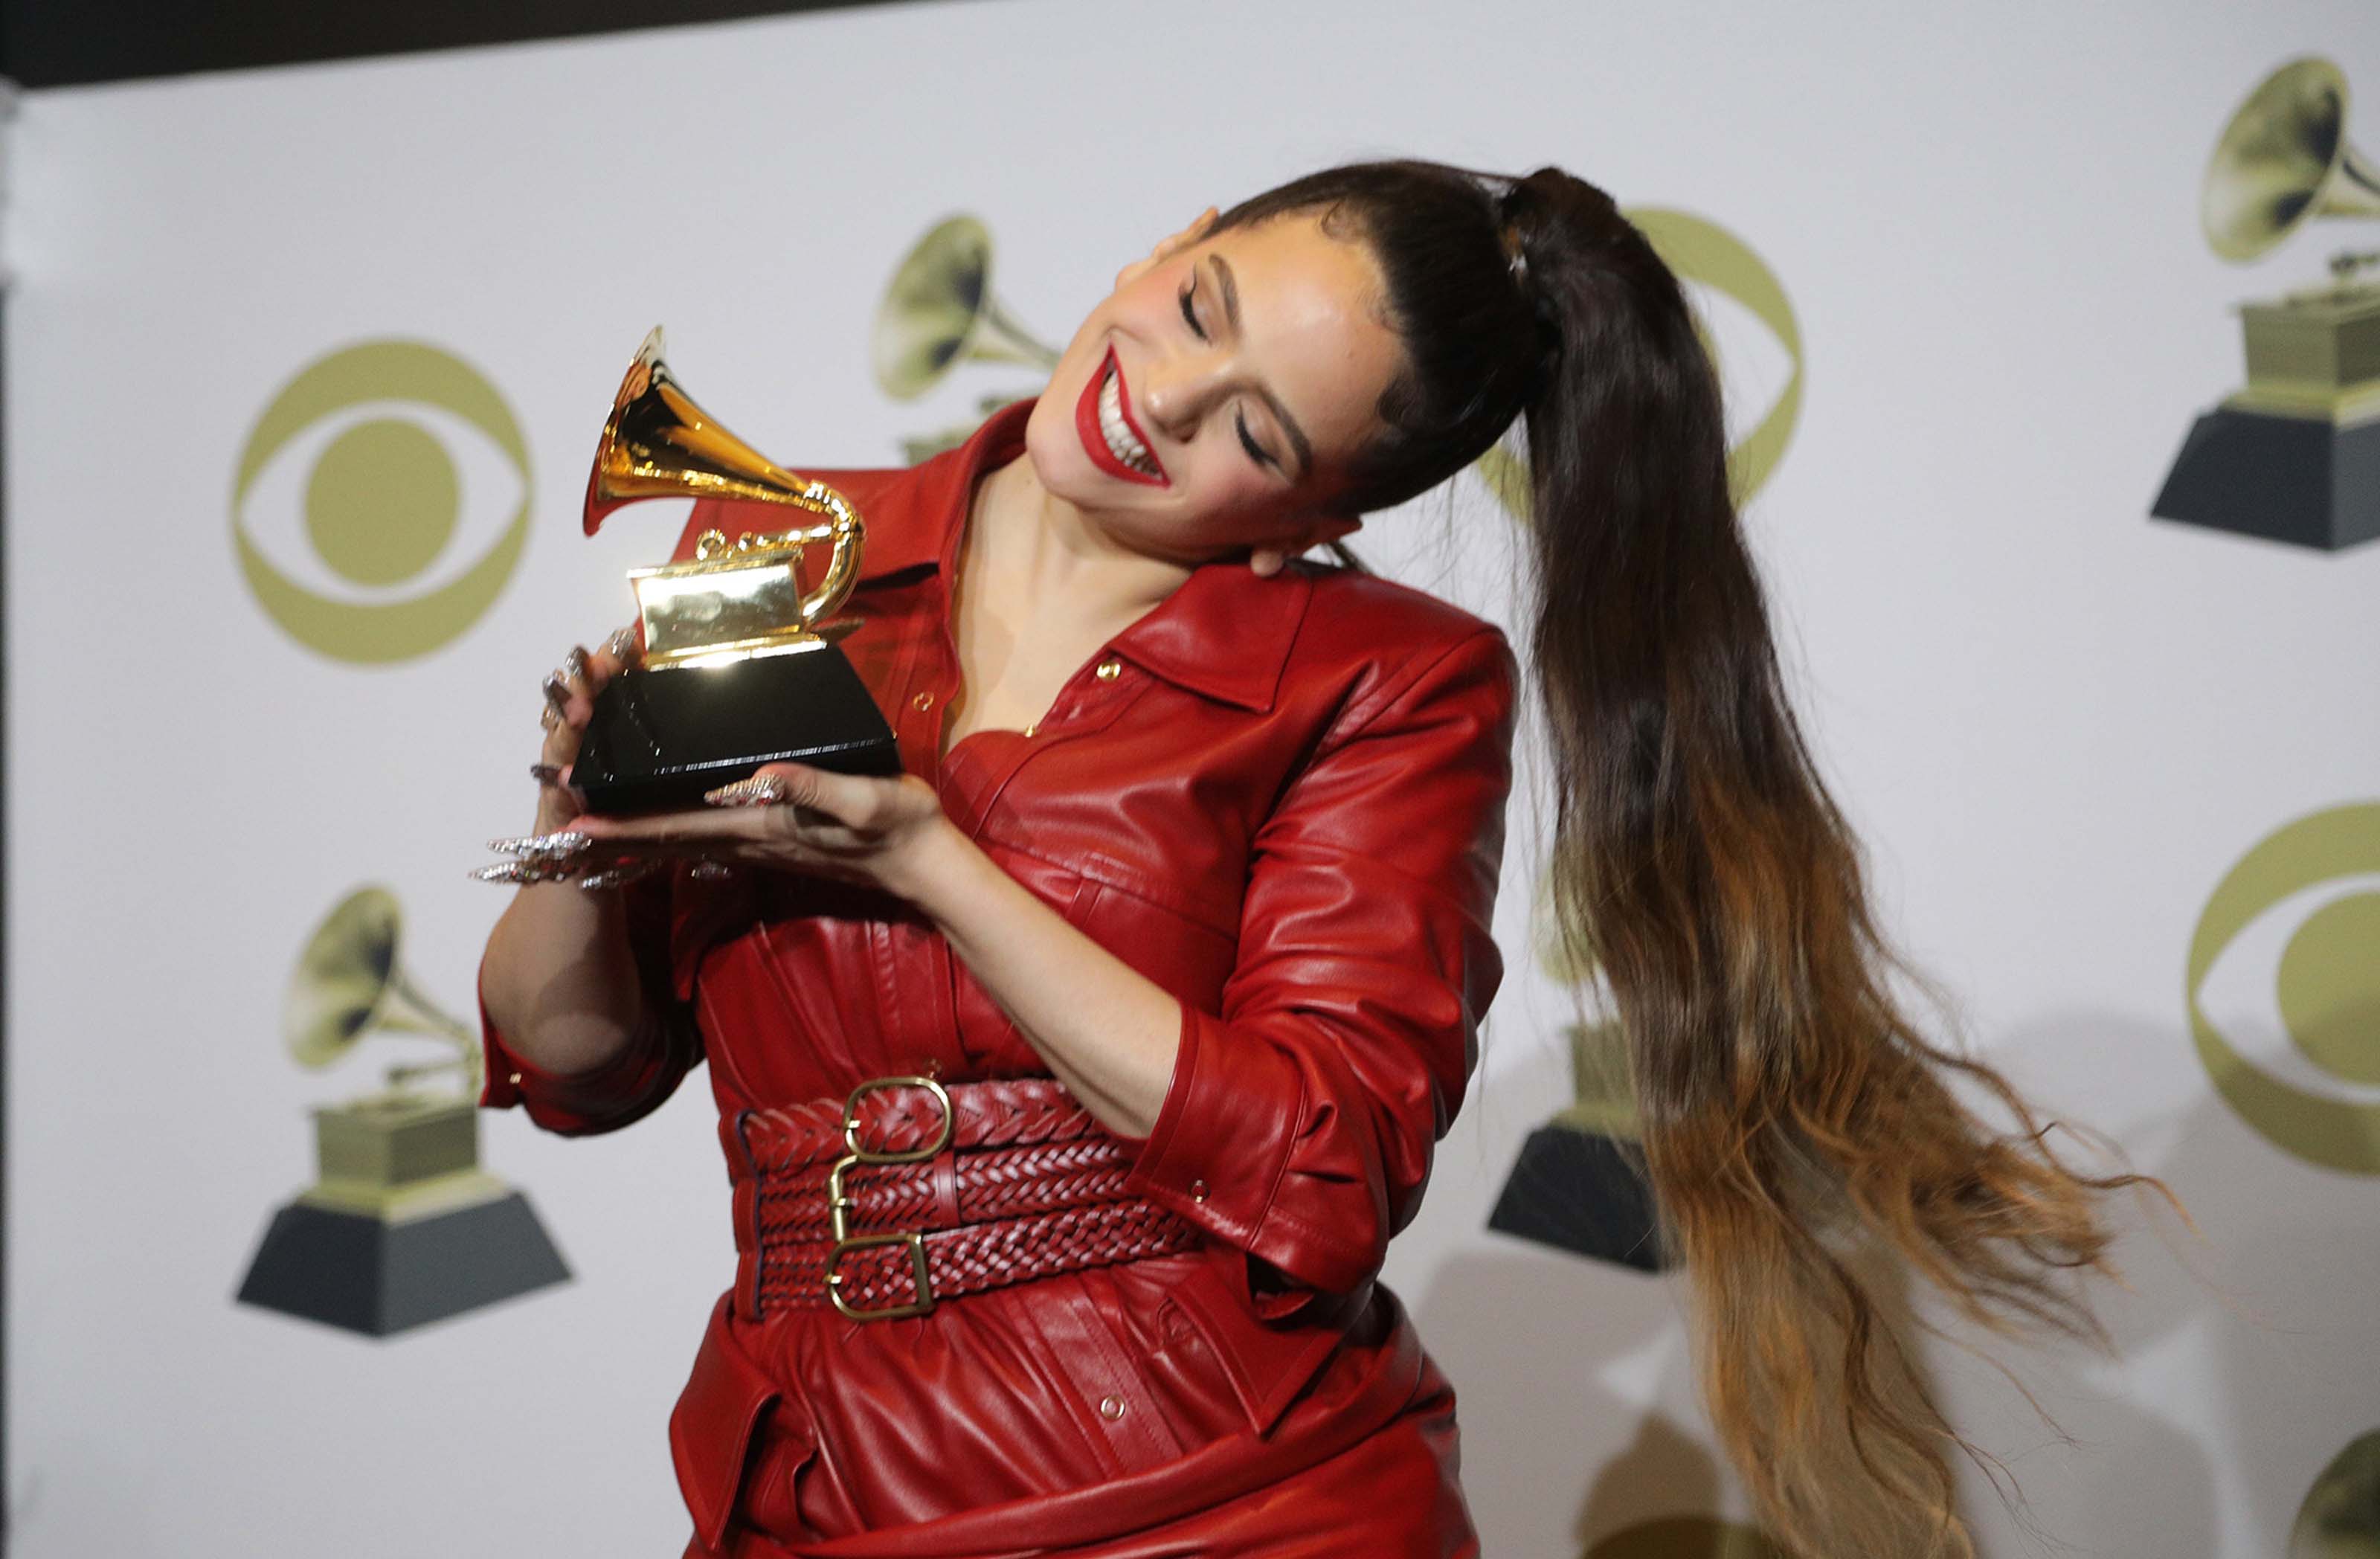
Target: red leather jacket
(1282, 799)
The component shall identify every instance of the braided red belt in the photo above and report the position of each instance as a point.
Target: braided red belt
(910, 1191)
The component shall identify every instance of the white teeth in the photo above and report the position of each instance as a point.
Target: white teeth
(1121, 444)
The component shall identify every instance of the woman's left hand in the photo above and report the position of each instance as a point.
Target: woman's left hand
(787, 817)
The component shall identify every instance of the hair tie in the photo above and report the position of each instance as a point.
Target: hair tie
(1516, 258)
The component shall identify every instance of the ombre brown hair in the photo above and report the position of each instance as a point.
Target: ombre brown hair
(1796, 1123)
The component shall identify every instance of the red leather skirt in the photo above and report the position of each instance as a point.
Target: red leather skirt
(1057, 1390)
(806, 1437)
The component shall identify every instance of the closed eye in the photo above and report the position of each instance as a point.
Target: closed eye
(1248, 443)
(1256, 452)
(1188, 316)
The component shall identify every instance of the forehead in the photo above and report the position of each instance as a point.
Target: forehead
(1312, 312)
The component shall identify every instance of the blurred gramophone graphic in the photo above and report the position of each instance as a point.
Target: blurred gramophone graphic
(939, 311)
(2295, 454)
(400, 1226)
(1575, 1187)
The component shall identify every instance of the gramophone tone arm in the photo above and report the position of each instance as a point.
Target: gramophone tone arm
(467, 1064)
(2346, 262)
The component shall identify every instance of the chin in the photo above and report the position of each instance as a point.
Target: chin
(1059, 463)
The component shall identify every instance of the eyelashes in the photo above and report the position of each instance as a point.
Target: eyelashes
(1248, 443)
(1240, 421)
(1189, 316)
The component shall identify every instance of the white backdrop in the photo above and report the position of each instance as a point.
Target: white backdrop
(2057, 722)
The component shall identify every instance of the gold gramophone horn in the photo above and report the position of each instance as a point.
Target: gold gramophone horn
(941, 308)
(348, 982)
(660, 444)
(2284, 159)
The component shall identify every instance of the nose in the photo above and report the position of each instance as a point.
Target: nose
(1176, 387)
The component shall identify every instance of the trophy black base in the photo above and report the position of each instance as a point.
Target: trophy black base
(2283, 478)
(660, 738)
(1571, 1190)
(366, 1274)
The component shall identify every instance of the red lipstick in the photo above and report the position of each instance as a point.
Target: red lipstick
(1095, 439)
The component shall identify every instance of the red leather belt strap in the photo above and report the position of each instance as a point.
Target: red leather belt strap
(1025, 1184)
(901, 1119)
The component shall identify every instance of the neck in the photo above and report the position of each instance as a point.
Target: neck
(1034, 547)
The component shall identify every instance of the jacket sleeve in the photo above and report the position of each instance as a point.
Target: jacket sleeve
(1300, 1120)
(667, 1045)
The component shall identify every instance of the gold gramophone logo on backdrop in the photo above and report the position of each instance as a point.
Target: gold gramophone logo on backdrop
(400, 1226)
(2294, 456)
(381, 502)
(2283, 988)
(1701, 250)
(940, 312)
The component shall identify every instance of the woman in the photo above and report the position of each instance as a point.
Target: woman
(1183, 905)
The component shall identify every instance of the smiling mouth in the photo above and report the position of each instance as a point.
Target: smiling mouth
(1103, 416)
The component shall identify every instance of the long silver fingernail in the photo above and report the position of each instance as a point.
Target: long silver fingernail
(529, 868)
(574, 664)
(548, 718)
(542, 846)
(760, 790)
(557, 696)
(620, 643)
(614, 876)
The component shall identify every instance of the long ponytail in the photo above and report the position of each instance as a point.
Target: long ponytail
(1796, 1125)
(1794, 1119)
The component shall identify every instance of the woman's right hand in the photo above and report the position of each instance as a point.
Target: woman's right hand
(570, 692)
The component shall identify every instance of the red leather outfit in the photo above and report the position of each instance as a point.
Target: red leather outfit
(1280, 799)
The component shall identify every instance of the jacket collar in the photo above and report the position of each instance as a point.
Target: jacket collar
(1223, 632)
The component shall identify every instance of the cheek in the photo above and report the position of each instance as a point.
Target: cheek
(1229, 487)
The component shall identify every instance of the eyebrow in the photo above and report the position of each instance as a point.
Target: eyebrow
(1229, 288)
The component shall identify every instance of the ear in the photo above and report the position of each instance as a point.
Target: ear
(1166, 246)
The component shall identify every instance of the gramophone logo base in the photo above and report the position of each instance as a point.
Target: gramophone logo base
(1571, 1190)
(2284, 479)
(1573, 1187)
(380, 1276)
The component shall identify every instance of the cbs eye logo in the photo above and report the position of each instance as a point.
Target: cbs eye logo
(2286, 955)
(381, 502)
(2340, 1517)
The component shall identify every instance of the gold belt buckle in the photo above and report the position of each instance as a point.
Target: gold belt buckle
(838, 1205)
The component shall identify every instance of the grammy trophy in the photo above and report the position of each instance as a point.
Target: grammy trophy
(740, 667)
